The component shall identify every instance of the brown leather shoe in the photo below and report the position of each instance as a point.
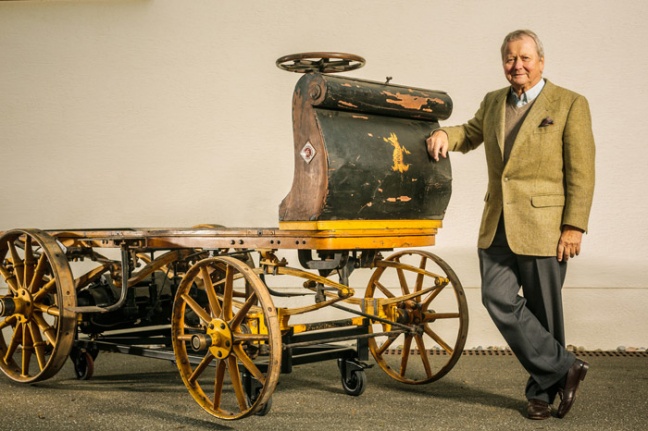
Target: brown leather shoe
(538, 410)
(575, 375)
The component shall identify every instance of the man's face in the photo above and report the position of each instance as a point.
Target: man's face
(522, 65)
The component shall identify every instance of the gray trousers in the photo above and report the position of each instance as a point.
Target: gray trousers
(531, 324)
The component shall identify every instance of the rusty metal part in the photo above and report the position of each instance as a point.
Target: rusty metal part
(323, 62)
(233, 329)
(420, 288)
(36, 324)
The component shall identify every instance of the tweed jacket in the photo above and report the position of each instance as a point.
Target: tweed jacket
(548, 180)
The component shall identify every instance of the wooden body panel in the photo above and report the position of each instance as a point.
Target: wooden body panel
(330, 236)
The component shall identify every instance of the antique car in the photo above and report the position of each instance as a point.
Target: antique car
(225, 305)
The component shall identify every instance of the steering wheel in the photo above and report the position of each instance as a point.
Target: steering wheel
(323, 62)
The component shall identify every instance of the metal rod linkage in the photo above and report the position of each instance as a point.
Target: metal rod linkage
(334, 339)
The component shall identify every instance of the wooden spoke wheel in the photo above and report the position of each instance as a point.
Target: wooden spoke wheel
(36, 293)
(225, 332)
(420, 291)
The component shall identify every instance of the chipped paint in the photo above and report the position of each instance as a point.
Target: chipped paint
(411, 102)
(347, 104)
(399, 199)
(398, 154)
(360, 117)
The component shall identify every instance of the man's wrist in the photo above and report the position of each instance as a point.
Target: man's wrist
(438, 130)
(570, 227)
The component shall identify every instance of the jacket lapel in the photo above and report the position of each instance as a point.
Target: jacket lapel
(500, 119)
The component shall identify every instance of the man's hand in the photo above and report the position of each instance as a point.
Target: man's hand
(437, 144)
(569, 244)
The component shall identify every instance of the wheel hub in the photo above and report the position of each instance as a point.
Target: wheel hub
(221, 338)
(21, 305)
(410, 313)
(7, 306)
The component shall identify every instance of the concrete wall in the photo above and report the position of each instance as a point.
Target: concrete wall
(172, 113)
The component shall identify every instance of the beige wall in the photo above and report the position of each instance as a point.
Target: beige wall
(172, 113)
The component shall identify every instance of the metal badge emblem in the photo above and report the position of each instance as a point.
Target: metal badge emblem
(308, 152)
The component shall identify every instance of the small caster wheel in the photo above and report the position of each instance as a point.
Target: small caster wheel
(83, 364)
(353, 377)
(356, 384)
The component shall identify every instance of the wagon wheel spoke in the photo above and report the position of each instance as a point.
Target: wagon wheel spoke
(218, 384)
(9, 321)
(242, 313)
(214, 303)
(235, 377)
(248, 364)
(39, 273)
(38, 344)
(417, 289)
(15, 341)
(235, 334)
(386, 344)
(439, 340)
(420, 344)
(27, 349)
(436, 292)
(420, 277)
(47, 329)
(405, 354)
(402, 280)
(196, 308)
(384, 290)
(18, 264)
(47, 289)
(10, 279)
(202, 366)
(29, 263)
(228, 294)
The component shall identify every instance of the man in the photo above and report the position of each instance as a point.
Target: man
(540, 154)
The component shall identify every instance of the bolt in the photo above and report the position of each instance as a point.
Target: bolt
(315, 92)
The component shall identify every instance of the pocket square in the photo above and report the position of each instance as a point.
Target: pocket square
(546, 122)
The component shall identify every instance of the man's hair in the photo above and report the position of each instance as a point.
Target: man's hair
(519, 34)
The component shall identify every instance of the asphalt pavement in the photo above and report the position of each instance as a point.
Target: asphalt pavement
(481, 392)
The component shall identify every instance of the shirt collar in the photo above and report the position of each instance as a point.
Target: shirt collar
(527, 96)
